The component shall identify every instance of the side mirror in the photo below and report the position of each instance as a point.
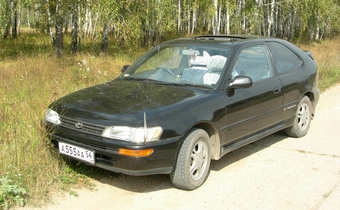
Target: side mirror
(124, 68)
(240, 82)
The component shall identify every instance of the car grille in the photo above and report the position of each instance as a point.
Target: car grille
(81, 126)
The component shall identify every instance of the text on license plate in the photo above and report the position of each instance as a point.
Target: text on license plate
(76, 152)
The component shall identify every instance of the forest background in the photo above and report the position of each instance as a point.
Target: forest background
(148, 22)
(49, 48)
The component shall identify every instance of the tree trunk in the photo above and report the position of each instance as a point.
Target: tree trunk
(28, 17)
(179, 26)
(193, 21)
(239, 15)
(74, 30)
(215, 19)
(243, 17)
(270, 17)
(188, 22)
(14, 20)
(228, 21)
(105, 39)
(87, 22)
(59, 41)
(49, 21)
(219, 20)
(19, 21)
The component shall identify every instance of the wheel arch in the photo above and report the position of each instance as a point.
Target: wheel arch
(312, 99)
(214, 139)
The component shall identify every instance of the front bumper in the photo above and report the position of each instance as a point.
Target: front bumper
(161, 161)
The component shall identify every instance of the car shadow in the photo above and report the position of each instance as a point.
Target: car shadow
(247, 150)
(151, 183)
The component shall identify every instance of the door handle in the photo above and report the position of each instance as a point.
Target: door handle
(277, 90)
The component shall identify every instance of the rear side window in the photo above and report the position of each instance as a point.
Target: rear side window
(285, 60)
(253, 62)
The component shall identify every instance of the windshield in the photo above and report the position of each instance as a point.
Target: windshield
(181, 65)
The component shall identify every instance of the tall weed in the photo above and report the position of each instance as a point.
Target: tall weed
(28, 85)
(327, 57)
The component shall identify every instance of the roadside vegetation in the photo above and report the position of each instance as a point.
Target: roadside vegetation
(327, 57)
(31, 77)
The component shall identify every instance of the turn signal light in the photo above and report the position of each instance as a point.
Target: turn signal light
(135, 153)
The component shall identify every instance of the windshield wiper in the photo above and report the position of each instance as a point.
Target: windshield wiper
(190, 85)
(140, 79)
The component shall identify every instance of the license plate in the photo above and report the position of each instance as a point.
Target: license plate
(76, 152)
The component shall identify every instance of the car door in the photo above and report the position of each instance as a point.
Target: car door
(289, 69)
(252, 110)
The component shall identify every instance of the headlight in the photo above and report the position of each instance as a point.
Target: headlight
(52, 117)
(137, 135)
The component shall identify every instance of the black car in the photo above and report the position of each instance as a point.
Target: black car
(185, 102)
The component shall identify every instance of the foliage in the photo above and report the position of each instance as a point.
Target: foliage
(10, 194)
(3, 17)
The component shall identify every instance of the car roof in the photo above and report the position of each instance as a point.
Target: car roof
(221, 39)
(228, 37)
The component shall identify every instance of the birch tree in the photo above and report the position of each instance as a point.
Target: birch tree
(151, 21)
(59, 40)
(74, 27)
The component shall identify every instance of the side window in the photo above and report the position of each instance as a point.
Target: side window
(253, 62)
(285, 60)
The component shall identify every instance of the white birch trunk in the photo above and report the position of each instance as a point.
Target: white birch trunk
(271, 8)
(244, 17)
(219, 20)
(188, 22)
(215, 19)
(18, 20)
(28, 17)
(228, 21)
(50, 31)
(85, 26)
(193, 21)
(317, 33)
(179, 17)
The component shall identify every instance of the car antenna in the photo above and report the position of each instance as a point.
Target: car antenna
(145, 129)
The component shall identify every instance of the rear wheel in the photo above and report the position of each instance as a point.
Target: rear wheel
(302, 120)
(193, 161)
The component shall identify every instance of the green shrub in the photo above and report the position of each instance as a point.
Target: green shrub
(11, 194)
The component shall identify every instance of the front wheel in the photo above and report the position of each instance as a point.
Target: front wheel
(302, 120)
(193, 161)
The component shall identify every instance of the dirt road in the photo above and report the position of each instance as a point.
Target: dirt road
(274, 173)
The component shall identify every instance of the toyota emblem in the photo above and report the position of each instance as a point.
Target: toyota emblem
(79, 125)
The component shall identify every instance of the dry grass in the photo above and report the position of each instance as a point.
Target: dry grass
(28, 85)
(327, 57)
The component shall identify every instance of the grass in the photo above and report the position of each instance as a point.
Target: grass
(327, 57)
(31, 77)
(29, 81)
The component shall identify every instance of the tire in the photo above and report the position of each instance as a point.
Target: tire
(193, 162)
(302, 119)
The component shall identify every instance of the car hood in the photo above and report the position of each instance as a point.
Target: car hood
(122, 102)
